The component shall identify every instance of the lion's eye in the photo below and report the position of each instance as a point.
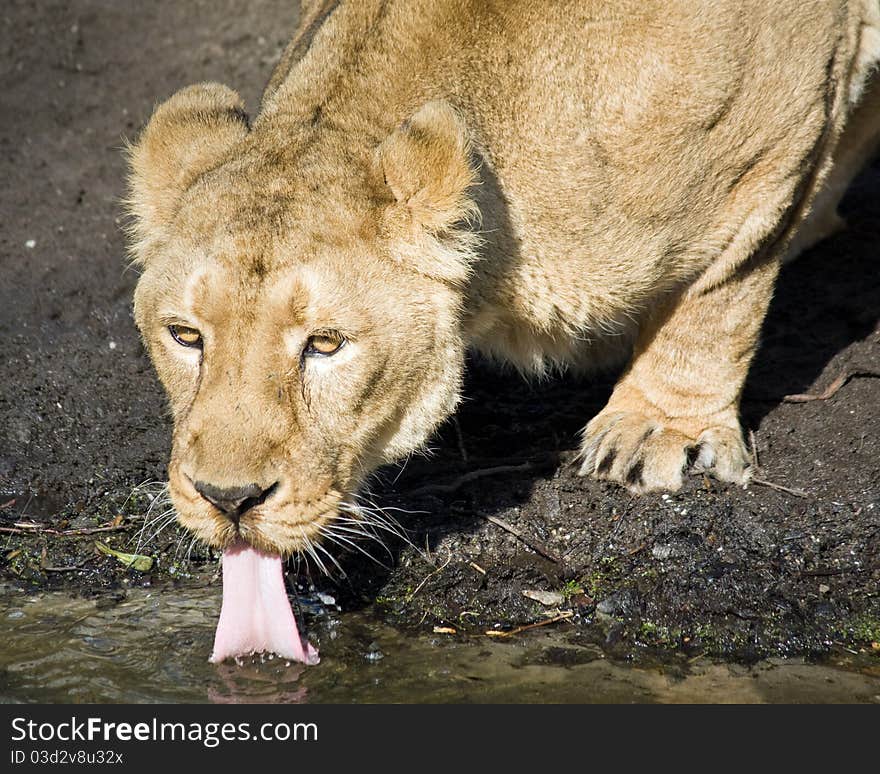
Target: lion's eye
(186, 337)
(324, 343)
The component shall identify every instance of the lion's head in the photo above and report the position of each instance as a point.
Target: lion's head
(300, 299)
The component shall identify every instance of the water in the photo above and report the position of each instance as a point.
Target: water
(153, 645)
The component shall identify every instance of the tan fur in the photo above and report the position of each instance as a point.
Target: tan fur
(553, 184)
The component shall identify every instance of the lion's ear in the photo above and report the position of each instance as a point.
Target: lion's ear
(427, 165)
(188, 134)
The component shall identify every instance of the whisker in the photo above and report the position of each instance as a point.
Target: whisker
(192, 545)
(383, 510)
(359, 528)
(145, 487)
(163, 520)
(360, 531)
(378, 518)
(310, 549)
(179, 545)
(365, 516)
(369, 529)
(408, 512)
(402, 467)
(158, 521)
(335, 537)
(332, 558)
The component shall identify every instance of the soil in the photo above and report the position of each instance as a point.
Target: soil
(786, 567)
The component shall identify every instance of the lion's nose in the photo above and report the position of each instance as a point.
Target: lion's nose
(234, 501)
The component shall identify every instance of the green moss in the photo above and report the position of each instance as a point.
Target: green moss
(603, 578)
(571, 588)
(865, 629)
(658, 635)
(706, 633)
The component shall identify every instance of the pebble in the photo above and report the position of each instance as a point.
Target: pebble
(548, 598)
(30, 244)
(607, 606)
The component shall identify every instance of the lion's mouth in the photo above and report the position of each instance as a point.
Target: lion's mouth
(256, 615)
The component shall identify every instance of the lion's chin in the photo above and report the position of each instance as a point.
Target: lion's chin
(271, 535)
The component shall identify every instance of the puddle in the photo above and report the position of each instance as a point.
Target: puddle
(153, 645)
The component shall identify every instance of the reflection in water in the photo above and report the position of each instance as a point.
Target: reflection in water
(153, 646)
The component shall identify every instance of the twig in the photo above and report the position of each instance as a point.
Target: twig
(93, 530)
(779, 487)
(839, 571)
(24, 528)
(76, 566)
(7, 504)
(535, 545)
(754, 443)
(561, 617)
(471, 475)
(460, 438)
(832, 389)
(430, 575)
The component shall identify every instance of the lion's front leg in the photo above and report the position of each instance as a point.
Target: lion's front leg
(677, 406)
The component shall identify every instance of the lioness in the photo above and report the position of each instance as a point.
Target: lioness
(559, 184)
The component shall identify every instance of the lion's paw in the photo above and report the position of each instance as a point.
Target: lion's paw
(647, 454)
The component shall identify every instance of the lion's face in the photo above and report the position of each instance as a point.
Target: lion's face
(297, 352)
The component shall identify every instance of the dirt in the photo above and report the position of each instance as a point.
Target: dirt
(792, 568)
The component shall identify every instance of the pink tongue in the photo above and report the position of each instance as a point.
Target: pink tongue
(256, 614)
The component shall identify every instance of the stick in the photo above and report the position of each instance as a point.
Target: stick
(23, 528)
(460, 438)
(77, 566)
(536, 546)
(561, 617)
(779, 487)
(471, 475)
(839, 571)
(425, 579)
(832, 389)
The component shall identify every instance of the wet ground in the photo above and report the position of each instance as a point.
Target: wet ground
(788, 567)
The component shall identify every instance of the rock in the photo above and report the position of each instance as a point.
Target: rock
(548, 598)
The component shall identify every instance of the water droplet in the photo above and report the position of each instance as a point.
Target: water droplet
(374, 653)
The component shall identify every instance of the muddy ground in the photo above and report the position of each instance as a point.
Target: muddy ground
(787, 569)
